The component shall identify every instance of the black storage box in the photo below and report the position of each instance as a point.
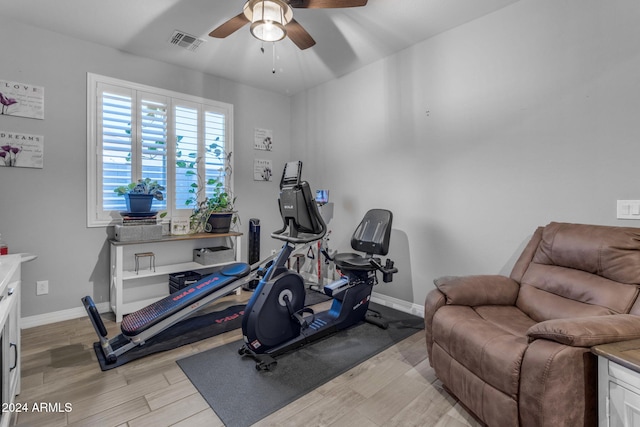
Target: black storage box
(181, 280)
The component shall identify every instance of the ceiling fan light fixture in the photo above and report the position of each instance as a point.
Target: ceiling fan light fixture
(268, 19)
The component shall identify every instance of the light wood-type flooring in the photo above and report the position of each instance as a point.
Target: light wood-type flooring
(395, 388)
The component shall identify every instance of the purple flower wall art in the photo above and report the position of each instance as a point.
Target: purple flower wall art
(21, 150)
(6, 102)
(21, 100)
(10, 154)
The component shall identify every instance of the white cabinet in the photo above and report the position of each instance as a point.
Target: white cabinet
(132, 289)
(618, 386)
(9, 334)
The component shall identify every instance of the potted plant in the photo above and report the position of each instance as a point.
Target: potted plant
(139, 195)
(216, 212)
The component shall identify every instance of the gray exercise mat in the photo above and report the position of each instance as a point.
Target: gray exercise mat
(240, 395)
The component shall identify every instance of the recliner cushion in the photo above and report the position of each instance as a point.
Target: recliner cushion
(611, 252)
(552, 292)
(581, 270)
(492, 353)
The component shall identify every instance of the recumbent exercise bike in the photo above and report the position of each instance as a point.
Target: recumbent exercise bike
(276, 320)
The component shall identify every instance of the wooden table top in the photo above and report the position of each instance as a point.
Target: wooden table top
(625, 353)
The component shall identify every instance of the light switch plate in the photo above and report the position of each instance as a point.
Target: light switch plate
(628, 209)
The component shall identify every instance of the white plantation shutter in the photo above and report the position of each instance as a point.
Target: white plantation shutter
(115, 127)
(153, 142)
(137, 131)
(214, 144)
(200, 133)
(187, 136)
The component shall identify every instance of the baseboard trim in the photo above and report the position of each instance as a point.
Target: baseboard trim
(59, 316)
(398, 304)
(75, 313)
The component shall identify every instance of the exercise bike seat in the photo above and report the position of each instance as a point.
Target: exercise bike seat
(350, 261)
(137, 322)
(372, 237)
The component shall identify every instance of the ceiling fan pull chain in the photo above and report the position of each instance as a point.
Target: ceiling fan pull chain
(273, 70)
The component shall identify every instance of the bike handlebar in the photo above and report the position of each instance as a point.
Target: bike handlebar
(299, 237)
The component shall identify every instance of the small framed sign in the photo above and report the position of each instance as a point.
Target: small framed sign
(262, 170)
(263, 139)
(21, 150)
(21, 99)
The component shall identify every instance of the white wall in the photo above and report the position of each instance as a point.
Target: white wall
(477, 136)
(43, 211)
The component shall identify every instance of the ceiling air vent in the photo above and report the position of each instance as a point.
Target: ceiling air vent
(187, 41)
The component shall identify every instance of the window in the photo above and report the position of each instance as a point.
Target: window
(137, 131)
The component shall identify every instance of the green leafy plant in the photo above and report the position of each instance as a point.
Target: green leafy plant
(143, 186)
(220, 200)
(218, 197)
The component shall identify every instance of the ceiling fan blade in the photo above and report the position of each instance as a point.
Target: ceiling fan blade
(299, 35)
(326, 4)
(230, 27)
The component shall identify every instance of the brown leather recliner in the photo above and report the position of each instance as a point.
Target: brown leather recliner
(516, 350)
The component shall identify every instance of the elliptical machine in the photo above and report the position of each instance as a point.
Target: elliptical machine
(276, 320)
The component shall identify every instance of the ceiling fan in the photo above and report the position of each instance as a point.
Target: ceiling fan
(272, 20)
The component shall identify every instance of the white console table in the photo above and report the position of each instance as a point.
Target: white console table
(10, 272)
(618, 384)
(132, 290)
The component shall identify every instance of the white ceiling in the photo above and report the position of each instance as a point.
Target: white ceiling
(347, 39)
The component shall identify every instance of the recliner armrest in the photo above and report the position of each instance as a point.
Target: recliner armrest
(587, 331)
(478, 290)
